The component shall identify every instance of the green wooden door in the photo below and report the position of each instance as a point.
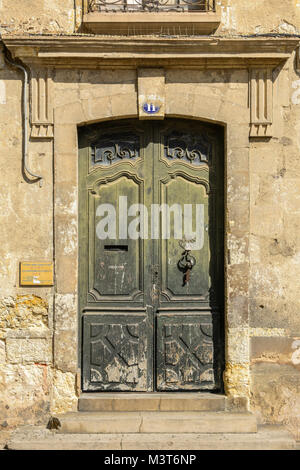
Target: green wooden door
(151, 256)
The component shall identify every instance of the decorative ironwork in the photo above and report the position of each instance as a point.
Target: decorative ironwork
(151, 5)
(188, 148)
(112, 148)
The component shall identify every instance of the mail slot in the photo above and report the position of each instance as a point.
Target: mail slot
(116, 247)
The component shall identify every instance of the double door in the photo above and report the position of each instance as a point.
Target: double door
(151, 256)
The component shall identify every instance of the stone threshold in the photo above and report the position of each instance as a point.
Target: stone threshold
(161, 422)
(39, 438)
(153, 401)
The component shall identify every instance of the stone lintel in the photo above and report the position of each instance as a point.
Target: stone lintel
(119, 51)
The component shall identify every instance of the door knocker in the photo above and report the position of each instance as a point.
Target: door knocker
(185, 265)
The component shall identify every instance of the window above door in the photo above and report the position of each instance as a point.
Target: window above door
(139, 17)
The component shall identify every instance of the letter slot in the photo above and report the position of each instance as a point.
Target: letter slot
(118, 248)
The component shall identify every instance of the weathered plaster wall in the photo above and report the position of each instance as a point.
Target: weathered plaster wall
(237, 17)
(38, 327)
(263, 222)
(37, 16)
(26, 232)
(275, 261)
(28, 382)
(259, 16)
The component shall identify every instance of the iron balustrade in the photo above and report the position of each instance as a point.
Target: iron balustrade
(151, 5)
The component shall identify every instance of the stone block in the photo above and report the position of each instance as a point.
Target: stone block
(238, 186)
(66, 234)
(275, 395)
(238, 280)
(206, 107)
(237, 345)
(23, 311)
(39, 438)
(237, 404)
(72, 113)
(238, 216)
(24, 390)
(65, 311)
(66, 199)
(65, 332)
(237, 161)
(237, 135)
(151, 402)
(265, 304)
(282, 350)
(237, 313)
(66, 350)
(96, 109)
(157, 422)
(65, 167)
(66, 274)
(179, 104)
(28, 350)
(64, 397)
(66, 138)
(238, 247)
(237, 380)
(124, 105)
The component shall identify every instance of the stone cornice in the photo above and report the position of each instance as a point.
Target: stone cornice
(82, 51)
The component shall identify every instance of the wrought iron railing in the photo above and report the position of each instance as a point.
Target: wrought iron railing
(151, 5)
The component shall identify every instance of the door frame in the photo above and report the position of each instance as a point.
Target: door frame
(237, 216)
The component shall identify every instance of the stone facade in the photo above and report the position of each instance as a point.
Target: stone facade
(38, 326)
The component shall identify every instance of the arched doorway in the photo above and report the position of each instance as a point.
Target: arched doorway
(151, 255)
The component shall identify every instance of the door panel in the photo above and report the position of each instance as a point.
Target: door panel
(116, 354)
(146, 189)
(185, 352)
(115, 262)
(192, 194)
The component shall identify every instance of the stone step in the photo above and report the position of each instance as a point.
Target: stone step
(151, 402)
(156, 422)
(38, 438)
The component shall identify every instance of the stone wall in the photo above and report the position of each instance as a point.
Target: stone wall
(37, 16)
(264, 361)
(275, 261)
(28, 381)
(259, 16)
(237, 17)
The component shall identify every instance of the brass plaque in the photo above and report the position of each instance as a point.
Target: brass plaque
(39, 273)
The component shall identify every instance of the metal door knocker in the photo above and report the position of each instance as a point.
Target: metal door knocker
(185, 265)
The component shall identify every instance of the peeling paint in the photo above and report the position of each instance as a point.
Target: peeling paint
(296, 354)
(296, 94)
(286, 27)
(228, 17)
(2, 92)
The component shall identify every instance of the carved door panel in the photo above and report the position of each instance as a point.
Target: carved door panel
(148, 193)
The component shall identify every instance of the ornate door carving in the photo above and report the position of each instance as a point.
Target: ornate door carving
(151, 255)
